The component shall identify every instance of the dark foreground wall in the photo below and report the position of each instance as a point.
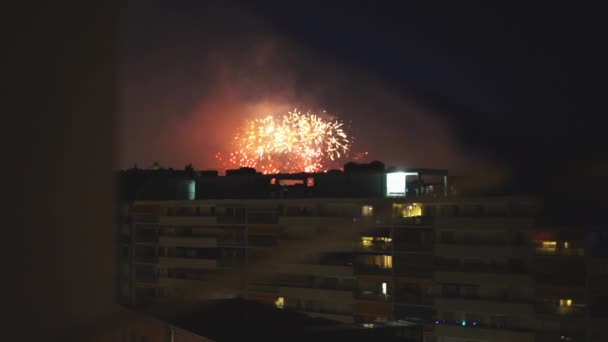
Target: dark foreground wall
(57, 243)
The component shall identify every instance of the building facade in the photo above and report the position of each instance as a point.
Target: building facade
(396, 251)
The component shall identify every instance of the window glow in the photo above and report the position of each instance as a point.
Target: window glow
(310, 181)
(386, 261)
(407, 210)
(290, 182)
(384, 291)
(369, 240)
(565, 303)
(280, 303)
(395, 184)
(547, 247)
(367, 210)
(273, 181)
(566, 244)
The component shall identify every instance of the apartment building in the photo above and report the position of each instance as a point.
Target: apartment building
(376, 248)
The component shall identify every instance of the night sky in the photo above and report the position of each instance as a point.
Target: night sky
(487, 89)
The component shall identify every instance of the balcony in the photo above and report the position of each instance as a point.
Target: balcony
(255, 218)
(196, 242)
(338, 317)
(556, 310)
(483, 332)
(231, 220)
(230, 242)
(413, 221)
(315, 221)
(187, 262)
(498, 268)
(146, 259)
(373, 296)
(187, 220)
(479, 305)
(380, 247)
(403, 297)
(514, 280)
(181, 283)
(336, 296)
(316, 270)
(371, 269)
(480, 250)
(482, 223)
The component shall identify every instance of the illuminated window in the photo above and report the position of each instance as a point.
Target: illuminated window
(280, 303)
(566, 244)
(407, 210)
(367, 210)
(367, 240)
(547, 247)
(290, 182)
(565, 303)
(395, 184)
(384, 291)
(273, 181)
(310, 181)
(384, 261)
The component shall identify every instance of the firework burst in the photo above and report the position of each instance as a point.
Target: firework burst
(290, 142)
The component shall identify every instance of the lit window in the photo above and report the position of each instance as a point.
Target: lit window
(273, 181)
(385, 261)
(280, 303)
(367, 210)
(384, 291)
(565, 303)
(566, 244)
(367, 240)
(310, 181)
(548, 247)
(395, 184)
(290, 182)
(407, 210)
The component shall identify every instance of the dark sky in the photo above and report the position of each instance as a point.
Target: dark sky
(504, 89)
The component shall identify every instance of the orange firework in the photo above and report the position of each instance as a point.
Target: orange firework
(291, 142)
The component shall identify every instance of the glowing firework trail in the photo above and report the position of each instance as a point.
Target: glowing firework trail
(291, 142)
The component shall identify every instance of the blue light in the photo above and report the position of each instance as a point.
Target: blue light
(436, 322)
(474, 323)
(464, 323)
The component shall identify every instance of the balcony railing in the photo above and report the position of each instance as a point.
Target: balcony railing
(552, 309)
(493, 243)
(472, 324)
(415, 299)
(147, 259)
(367, 295)
(498, 298)
(480, 268)
(374, 247)
(371, 269)
(417, 220)
(223, 242)
(231, 219)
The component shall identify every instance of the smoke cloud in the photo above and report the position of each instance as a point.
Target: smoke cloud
(189, 81)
